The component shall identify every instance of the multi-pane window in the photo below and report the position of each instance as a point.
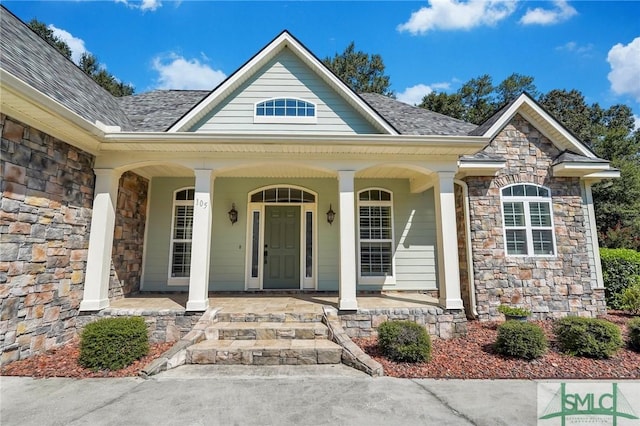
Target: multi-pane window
(181, 233)
(285, 107)
(376, 233)
(528, 220)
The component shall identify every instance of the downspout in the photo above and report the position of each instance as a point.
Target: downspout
(467, 227)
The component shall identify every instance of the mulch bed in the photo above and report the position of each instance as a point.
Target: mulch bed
(63, 362)
(468, 357)
(473, 357)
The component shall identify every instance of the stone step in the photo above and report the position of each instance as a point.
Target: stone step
(269, 317)
(266, 330)
(265, 352)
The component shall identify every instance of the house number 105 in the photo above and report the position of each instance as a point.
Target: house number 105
(202, 203)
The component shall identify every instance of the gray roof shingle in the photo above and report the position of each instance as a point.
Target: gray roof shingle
(411, 120)
(156, 111)
(26, 56)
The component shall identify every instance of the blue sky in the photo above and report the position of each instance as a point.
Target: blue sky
(591, 46)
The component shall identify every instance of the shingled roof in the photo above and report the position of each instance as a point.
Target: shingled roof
(26, 56)
(411, 120)
(156, 111)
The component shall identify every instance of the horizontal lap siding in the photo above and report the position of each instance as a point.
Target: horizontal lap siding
(285, 76)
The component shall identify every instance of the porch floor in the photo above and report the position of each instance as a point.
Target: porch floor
(275, 303)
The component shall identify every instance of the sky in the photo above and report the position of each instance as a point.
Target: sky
(429, 45)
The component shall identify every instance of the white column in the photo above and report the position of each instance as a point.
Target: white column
(96, 280)
(201, 242)
(346, 215)
(447, 238)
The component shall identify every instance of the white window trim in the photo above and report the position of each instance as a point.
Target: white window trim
(256, 283)
(528, 228)
(284, 119)
(177, 281)
(376, 280)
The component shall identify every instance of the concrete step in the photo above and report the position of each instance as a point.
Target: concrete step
(269, 317)
(266, 330)
(265, 352)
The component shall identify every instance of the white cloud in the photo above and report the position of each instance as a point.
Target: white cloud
(176, 72)
(413, 95)
(457, 15)
(75, 44)
(539, 16)
(625, 68)
(151, 5)
(637, 120)
(574, 47)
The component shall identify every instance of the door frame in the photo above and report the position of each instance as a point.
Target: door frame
(253, 282)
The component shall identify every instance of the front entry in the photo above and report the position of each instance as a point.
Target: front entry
(282, 247)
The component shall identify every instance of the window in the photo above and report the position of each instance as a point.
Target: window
(181, 232)
(288, 110)
(528, 222)
(375, 230)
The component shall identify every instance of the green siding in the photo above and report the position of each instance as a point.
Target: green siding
(285, 76)
(414, 217)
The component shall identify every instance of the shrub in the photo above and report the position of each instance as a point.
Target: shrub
(521, 340)
(630, 299)
(404, 341)
(634, 334)
(588, 337)
(513, 311)
(620, 267)
(113, 343)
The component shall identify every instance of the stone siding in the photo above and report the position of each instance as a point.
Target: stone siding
(438, 322)
(463, 261)
(128, 237)
(166, 325)
(550, 286)
(45, 214)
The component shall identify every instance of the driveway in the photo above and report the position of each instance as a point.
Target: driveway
(245, 395)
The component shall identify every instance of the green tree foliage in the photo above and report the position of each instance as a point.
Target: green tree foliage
(88, 62)
(478, 99)
(362, 72)
(90, 65)
(46, 34)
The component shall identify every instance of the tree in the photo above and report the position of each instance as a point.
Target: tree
(47, 35)
(476, 98)
(88, 62)
(444, 103)
(512, 86)
(362, 72)
(570, 109)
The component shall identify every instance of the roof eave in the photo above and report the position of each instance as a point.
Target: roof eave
(580, 169)
(32, 107)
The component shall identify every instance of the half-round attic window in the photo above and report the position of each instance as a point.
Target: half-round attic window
(285, 110)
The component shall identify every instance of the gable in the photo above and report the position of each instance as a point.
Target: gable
(285, 76)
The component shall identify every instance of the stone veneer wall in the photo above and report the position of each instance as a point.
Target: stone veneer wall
(128, 237)
(551, 286)
(463, 262)
(438, 322)
(45, 214)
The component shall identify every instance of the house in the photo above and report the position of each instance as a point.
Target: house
(280, 178)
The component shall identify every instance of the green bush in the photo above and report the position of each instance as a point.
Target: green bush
(513, 311)
(404, 341)
(634, 334)
(630, 299)
(620, 267)
(588, 337)
(521, 340)
(113, 343)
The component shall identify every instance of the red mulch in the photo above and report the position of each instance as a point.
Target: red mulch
(473, 357)
(468, 357)
(63, 362)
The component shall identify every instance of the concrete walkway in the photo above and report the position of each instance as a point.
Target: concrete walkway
(278, 395)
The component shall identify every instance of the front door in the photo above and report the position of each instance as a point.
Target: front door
(282, 247)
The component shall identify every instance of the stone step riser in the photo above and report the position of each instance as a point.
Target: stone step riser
(279, 317)
(267, 334)
(265, 357)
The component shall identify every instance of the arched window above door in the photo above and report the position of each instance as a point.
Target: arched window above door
(283, 195)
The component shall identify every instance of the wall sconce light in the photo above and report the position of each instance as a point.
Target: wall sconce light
(233, 214)
(331, 215)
